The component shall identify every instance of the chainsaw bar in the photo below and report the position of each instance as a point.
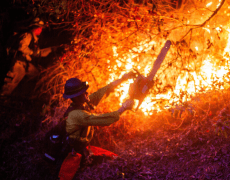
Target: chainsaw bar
(139, 89)
(157, 64)
(159, 60)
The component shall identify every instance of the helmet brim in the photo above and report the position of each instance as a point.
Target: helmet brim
(67, 96)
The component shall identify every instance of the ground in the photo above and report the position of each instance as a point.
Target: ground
(191, 152)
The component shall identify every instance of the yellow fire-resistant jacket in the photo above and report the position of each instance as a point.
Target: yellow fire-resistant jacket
(24, 45)
(26, 51)
(81, 119)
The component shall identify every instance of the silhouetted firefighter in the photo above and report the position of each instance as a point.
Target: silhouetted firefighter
(23, 52)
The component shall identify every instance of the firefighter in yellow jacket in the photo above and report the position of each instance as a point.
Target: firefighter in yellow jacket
(24, 57)
(80, 120)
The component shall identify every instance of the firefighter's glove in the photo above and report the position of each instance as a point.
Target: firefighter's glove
(129, 75)
(127, 105)
(37, 52)
(125, 77)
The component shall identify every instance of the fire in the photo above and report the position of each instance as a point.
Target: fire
(198, 57)
(209, 4)
(201, 80)
(188, 82)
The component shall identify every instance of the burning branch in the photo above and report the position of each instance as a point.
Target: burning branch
(205, 22)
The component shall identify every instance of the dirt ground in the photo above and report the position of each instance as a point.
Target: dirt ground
(193, 151)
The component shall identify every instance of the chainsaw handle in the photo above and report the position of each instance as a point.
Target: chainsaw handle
(139, 87)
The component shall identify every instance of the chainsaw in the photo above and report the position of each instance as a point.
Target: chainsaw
(140, 87)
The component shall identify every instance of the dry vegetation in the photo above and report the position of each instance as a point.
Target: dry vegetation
(130, 28)
(188, 140)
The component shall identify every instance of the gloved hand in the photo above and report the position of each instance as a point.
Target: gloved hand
(125, 77)
(129, 75)
(127, 105)
(36, 52)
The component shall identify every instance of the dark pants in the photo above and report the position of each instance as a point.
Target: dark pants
(80, 148)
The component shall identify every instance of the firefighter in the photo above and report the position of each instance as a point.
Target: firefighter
(79, 116)
(24, 56)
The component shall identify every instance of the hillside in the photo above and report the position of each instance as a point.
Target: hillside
(198, 148)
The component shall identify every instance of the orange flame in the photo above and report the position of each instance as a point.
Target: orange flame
(208, 73)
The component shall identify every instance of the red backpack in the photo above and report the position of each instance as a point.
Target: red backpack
(71, 163)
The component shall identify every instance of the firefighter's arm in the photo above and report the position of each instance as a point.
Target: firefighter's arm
(45, 52)
(96, 97)
(84, 118)
(125, 77)
(24, 46)
(99, 94)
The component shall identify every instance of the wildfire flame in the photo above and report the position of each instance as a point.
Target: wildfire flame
(203, 79)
